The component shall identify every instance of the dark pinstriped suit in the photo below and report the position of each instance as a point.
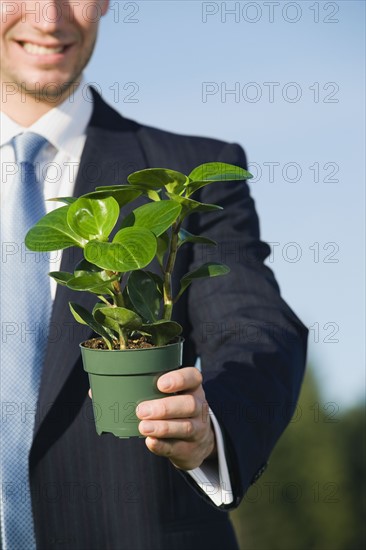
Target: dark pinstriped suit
(93, 492)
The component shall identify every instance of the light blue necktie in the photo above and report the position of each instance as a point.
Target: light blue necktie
(25, 316)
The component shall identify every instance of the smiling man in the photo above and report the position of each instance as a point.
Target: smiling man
(202, 449)
(45, 46)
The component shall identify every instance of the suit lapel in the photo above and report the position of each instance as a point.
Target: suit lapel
(112, 151)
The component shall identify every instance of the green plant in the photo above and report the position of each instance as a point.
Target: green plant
(132, 301)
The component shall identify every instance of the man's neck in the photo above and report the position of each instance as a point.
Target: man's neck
(25, 109)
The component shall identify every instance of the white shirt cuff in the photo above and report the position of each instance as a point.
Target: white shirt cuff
(213, 475)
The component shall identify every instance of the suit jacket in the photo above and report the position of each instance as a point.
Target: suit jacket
(91, 492)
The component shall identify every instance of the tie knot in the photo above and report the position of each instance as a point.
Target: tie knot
(27, 146)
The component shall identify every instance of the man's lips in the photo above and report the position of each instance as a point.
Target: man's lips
(40, 49)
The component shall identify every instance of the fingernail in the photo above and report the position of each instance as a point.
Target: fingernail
(144, 409)
(147, 427)
(165, 383)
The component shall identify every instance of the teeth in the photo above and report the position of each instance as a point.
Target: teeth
(41, 50)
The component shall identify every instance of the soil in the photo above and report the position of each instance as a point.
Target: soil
(135, 343)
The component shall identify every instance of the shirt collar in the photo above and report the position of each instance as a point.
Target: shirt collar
(9, 129)
(64, 126)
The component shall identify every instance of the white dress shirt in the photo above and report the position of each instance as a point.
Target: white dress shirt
(57, 165)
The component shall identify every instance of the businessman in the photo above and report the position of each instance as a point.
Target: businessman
(212, 434)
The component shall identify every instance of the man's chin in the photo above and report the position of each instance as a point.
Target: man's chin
(51, 91)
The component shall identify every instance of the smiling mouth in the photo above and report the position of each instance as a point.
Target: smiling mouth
(36, 49)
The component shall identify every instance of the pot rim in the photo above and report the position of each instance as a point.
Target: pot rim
(179, 341)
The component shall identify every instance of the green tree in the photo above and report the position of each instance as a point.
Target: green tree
(309, 497)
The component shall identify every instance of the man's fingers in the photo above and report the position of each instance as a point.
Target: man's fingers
(176, 406)
(172, 429)
(188, 378)
(166, 447)
(185, 455)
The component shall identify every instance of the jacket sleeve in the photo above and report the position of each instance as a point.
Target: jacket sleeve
(251, 345)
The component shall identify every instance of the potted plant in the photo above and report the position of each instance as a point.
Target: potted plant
(137, 339)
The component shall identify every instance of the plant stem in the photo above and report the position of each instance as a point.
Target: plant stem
(102, 299)
(167, 285)
(119, 302)
(122, 339)
(117, 298)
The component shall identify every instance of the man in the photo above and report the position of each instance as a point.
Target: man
(89, 492)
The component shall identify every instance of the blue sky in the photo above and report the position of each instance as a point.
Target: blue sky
(286, 80)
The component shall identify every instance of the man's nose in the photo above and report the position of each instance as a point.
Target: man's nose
(47, 15)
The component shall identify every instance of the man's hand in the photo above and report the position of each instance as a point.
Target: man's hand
(179, 426)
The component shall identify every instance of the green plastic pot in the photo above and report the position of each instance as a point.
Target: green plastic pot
(121, 379)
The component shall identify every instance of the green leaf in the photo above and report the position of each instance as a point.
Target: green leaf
(156, 178)
(99, 305)
(152, 194)
(84, 265)
(190, 206)
(132, 248)
(144, 294)
(66, 200)
(120, 192)
(218, 171)
(97, 283)
(52, 232)
(126, 299)
(111, 333)
(187, 237)
(162, 332)
(117, 318)
(123, 194)
(155, 216)
(214, 172)
(81, 315)
(93, 218)
(210, 269)
(61, 277)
